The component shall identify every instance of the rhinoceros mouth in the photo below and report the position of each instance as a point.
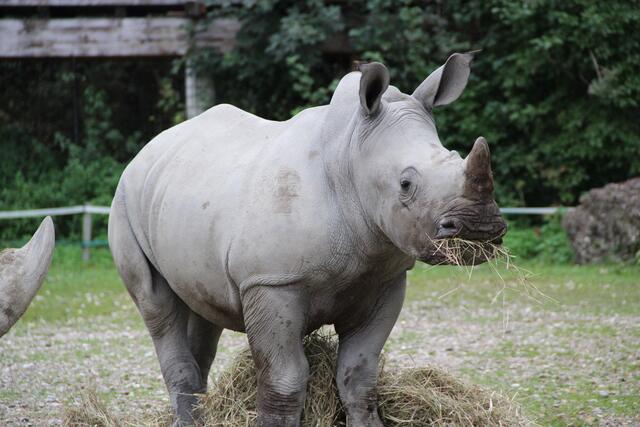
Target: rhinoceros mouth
(458, 251)
(476, 220)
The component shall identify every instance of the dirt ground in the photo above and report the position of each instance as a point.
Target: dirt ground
(544, 358)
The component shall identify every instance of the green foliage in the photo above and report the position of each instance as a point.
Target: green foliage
(547, 243)
(555, 89)
(276, 68)
(65, 141)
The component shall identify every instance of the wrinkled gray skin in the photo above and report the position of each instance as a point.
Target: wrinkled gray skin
(276, 228)
(22, 272)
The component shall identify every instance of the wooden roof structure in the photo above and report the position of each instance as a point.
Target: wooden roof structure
(76, 3)
(38, 29)
(108, 28)
(32, 29)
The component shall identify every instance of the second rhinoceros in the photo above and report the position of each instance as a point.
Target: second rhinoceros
(231, 221)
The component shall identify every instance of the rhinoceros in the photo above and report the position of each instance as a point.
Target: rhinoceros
(22, 272)
(231, 221)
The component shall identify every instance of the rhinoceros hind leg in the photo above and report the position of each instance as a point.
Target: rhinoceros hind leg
(275, 325)
(203, 343)
(167, 318)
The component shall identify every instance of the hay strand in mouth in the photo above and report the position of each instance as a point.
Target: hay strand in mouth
(463, 252)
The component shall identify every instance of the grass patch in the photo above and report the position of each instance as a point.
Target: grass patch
(75, 292)
(559, 404)
(596, 289)
(9, 394)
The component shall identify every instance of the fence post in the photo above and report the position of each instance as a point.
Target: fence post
(86, 234)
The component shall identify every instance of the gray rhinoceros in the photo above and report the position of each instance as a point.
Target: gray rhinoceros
(22, 272)
(231, 221)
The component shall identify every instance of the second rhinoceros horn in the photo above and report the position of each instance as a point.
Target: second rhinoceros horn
(22, 271)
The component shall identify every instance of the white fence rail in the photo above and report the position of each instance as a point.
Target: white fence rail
(533, 211)
(71, 210)
(87, 221)
(88, 210)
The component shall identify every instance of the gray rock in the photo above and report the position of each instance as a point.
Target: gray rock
(606, 224)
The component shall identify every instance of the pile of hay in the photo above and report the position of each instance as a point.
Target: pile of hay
(415, 397)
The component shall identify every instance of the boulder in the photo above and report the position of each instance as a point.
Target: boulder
(606, 224)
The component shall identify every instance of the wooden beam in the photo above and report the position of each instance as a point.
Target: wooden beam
(219, 34)
(110, 37)
(83, 3)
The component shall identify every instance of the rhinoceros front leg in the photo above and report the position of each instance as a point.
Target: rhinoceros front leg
(275, 325)
(360, 344)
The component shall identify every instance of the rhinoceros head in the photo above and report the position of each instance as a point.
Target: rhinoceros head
(415, 190)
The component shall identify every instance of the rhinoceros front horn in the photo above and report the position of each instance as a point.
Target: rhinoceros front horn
(22, 271)
(479, 178)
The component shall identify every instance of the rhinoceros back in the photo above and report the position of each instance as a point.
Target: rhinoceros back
(174, 186)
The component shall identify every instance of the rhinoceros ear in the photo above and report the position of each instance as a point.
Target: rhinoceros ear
(445, 84)
(373, 83)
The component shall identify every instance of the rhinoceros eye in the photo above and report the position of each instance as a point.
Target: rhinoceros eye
(408, 185)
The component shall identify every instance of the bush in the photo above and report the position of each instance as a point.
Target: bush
(546, 243)
(555, 89)
(66, 140)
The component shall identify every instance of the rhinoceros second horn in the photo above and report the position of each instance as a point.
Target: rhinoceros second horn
(22, 272)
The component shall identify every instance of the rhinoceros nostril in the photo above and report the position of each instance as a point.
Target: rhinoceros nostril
(447, 228)
(447, 224)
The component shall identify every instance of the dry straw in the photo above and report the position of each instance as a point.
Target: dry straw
(407, 397)
(88, 410)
